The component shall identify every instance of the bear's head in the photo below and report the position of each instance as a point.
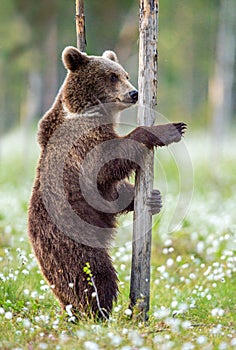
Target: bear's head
(93, 80)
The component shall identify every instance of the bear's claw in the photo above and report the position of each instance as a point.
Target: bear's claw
(172, 133)
(181, 127)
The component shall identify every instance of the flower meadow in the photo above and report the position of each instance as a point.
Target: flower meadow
(193, 267)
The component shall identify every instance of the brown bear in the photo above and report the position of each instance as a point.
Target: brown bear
(81, 180)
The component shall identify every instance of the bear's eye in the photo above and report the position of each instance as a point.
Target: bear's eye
(114, 78)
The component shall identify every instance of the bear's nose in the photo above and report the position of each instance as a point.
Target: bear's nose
(134, 95)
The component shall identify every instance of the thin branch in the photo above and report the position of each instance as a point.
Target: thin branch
(98, 301)
(80, 25)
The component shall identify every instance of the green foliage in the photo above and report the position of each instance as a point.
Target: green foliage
(88, 272)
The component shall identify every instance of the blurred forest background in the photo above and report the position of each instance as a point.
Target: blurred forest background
(196, 56)
(194, 237)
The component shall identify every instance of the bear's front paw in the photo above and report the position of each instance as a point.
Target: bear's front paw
(179, 131)
(168, 133)
(154, 202)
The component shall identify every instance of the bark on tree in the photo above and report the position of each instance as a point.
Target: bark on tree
(142, 228)
(50, 76)
(221, 86)
(80, 25)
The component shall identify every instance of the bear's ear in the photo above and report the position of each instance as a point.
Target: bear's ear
(73, 58)
(111, 55)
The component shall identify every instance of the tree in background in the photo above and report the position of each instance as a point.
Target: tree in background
(33, 34)
(222, 84)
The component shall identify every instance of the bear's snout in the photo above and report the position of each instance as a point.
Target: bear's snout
(134, 95)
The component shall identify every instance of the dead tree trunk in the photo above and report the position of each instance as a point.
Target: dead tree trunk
(142, 228)
(80, 25)
(50, 74)
(221, 86)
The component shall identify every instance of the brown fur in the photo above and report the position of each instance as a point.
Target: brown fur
(63, 247)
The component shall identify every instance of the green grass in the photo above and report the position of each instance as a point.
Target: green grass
(193, 287)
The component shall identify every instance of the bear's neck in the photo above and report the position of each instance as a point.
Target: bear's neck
(96, 116)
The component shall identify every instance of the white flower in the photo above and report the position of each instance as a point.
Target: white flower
(2, 311)
(185, 266)
(223, 346)
(117, 308)
(128, 312)
(168, 242)
(81, 333)
(116, 340)
(71, 285)
(8, 315)
(179, 258)
(34, 294)
(201, 339)
(169, 262)
(135, 338)
(64, 336)
(187, 346)
(217, 312)
(165, 251)
(216, 330)
(174, 324)
(162, 312)
(68, 310)
(183, 307)
(174, 303)
(90, 345)
(200, 247)
(161, 269)
(233, 342)
(192, 276)
(122, 267)
(2, 277)
(186, 324)
(44, 288)
(26, 323)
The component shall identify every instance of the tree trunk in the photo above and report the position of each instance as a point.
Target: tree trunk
(221, 86)
(142, 228)
(50, 74)
(80, 25)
